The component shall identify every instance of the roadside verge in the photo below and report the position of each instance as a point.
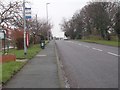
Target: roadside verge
(103, 42)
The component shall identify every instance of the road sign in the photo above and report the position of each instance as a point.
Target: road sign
(28, 13)
(2, 34)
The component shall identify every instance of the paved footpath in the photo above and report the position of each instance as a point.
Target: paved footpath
(40, 72)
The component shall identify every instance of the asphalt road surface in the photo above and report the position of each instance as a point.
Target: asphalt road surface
(89, 65)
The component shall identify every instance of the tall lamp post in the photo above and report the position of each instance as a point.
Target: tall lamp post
(25, 48)
(47, 19)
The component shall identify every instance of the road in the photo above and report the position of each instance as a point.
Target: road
(89, 65)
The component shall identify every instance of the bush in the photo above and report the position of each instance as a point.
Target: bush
(91, 37)
(20, 43)
(79, 36)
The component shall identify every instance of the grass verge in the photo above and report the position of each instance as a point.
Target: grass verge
(0, 73)
(104, 42)
(31, 52)
(9, 69)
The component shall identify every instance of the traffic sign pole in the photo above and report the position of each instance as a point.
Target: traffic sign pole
(25, 48)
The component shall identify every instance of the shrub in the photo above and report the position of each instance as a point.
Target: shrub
(20, 43)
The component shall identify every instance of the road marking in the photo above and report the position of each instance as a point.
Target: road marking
(22, 60)
(79, 44)
(97, 49)
(72, 42)
(113, 54)
(41, 55)
(69, 41)
(86, 46)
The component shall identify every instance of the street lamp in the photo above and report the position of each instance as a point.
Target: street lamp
(47, 18)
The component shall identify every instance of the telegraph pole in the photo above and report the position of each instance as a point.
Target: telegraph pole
(25, 48)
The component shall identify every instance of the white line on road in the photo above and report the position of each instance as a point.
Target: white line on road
(79, 44)
(86, 46)
(72, 42)
(113, 54)
(41, 55)
(67, 41)
(97, 49)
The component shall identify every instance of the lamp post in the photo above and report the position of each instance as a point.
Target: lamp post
(47, 19)
(25, 48)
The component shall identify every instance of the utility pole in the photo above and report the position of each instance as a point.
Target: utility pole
(25, 48)
(47, 18)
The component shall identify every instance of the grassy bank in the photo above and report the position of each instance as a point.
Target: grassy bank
(31, 52)
(104, 42)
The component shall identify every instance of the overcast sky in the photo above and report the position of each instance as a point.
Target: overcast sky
(57, 9)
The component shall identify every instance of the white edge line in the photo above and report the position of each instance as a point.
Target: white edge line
(113, 54)
(86, 46)
(72, 42)
(97, 49)
(79, 44)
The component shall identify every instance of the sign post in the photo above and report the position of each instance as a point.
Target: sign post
(26, 15)
(25, 48)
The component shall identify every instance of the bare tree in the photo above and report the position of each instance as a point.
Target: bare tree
(117, 21)
(39, 27)
(11, 14)
(96, 19)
